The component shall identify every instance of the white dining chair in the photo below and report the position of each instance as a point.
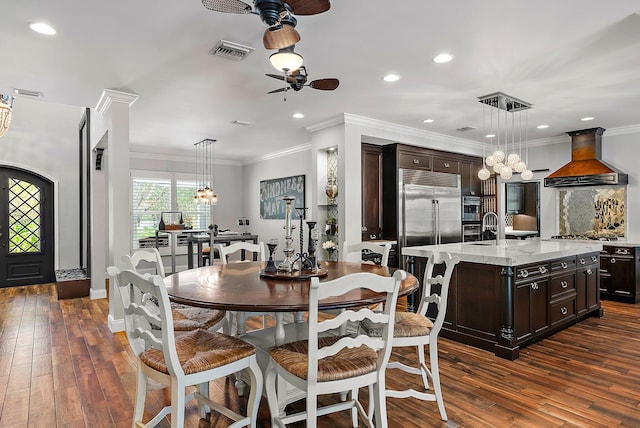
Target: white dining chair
(417, 329)
(194, 358)
(327, 363)
(257, 251)
(354, 252)
(185, 317)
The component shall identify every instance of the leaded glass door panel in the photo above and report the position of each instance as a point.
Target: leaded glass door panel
(26, 228)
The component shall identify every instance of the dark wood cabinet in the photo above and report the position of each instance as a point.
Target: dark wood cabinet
(620, 273)
(470, 183)
(530, 308)
(446, 164)
(587, 293)
(371, 192)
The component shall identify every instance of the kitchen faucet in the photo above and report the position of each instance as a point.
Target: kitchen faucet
(490, 224)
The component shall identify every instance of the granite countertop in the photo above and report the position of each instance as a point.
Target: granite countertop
(508, 252)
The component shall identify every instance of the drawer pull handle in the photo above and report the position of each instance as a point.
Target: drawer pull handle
(563, 265)
(534, 285)
(582, 261)
(563, 310)
(589, 271)
(543, 269)
(564, 284)
(613, 260)
(622, 251)
(524, 273)
(446, 164)
(416, 161)
(594, 258)
(372, 236)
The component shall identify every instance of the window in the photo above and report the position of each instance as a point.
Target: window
(152, 194)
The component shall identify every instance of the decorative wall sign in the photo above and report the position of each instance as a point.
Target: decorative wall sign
(272, 191)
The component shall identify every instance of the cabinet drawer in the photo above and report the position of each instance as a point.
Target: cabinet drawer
(588, 259)
(562, 311)
(563, 265)
(622, 251)
(531, 271)
(414, 161)
(446, 165)
(561, 284)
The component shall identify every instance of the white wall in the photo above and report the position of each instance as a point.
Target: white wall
(46, 142)
(282, 166)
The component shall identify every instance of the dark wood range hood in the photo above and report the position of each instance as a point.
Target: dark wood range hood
(586, 167)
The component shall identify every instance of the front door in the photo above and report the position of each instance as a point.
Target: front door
(26, 228)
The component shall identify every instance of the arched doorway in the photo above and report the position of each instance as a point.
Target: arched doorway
(27, 247)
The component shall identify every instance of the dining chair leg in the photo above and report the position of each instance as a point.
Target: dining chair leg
(141, 394)
(272, 396)
(312, 408)
(380, 410)
(177, 404)
(354, 409)
(435, 378)
(203, 389)
(422, 364)
(256, 390)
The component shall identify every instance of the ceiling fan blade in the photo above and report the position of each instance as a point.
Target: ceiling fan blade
(325, 84)
(280, 37)
(227, 6)
(288, 79)
(278, 90)
(308, 7)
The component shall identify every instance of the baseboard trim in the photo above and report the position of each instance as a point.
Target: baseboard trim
(115, 325)
(97, 294)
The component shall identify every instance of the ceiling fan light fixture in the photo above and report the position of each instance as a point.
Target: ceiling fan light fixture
(280, 36)
(286, 60)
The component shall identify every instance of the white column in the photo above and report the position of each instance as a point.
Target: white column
(112, 234)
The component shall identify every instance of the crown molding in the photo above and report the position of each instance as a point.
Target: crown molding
(282, 153)
(178, 158)
(622, 130)
(111, 95)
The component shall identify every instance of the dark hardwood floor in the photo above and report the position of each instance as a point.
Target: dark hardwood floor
(61, 366)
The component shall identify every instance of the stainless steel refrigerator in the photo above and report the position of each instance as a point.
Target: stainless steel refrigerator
(430, 208)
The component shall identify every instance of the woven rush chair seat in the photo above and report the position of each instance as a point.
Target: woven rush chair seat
(349, 362)
(187, 318)
(200, 350)
(407, 324)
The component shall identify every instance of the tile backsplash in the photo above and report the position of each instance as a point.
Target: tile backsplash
(593, 211)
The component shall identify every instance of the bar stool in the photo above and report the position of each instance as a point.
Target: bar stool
(198, 240)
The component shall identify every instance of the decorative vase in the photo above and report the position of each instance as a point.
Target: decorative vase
(331, 189)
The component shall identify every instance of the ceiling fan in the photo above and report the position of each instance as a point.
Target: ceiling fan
(277, 14)
(297, 79)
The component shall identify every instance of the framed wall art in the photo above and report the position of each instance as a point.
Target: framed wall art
(272, 191)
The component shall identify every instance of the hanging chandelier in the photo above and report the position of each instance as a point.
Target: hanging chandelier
(6, 109)
(504, 126)
(205, 174)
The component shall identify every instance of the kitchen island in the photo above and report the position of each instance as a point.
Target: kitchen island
(506, 294)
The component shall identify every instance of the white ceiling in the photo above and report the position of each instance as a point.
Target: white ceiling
(569, 58)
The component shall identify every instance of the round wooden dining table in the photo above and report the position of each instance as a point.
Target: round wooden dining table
(239, 287)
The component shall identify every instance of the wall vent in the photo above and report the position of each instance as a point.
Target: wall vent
(28, 93)
(466, 128)
(230, 50)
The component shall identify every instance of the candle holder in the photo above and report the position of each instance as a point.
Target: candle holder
(271, 266)
(288, 263)
(313, 242)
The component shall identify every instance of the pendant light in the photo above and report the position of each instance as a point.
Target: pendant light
(205, 173)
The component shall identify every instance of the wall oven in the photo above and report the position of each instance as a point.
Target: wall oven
(470, 208)
(471, 232)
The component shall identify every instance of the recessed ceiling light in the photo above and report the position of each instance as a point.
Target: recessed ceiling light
(298, 115)
(428, 121)
(542, 126)
(584, 119)
(391, 78)
(489, 135)
(442, 58)
(42, 28)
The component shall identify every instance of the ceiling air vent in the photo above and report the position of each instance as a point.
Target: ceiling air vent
(466, 128)
(231, 50)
